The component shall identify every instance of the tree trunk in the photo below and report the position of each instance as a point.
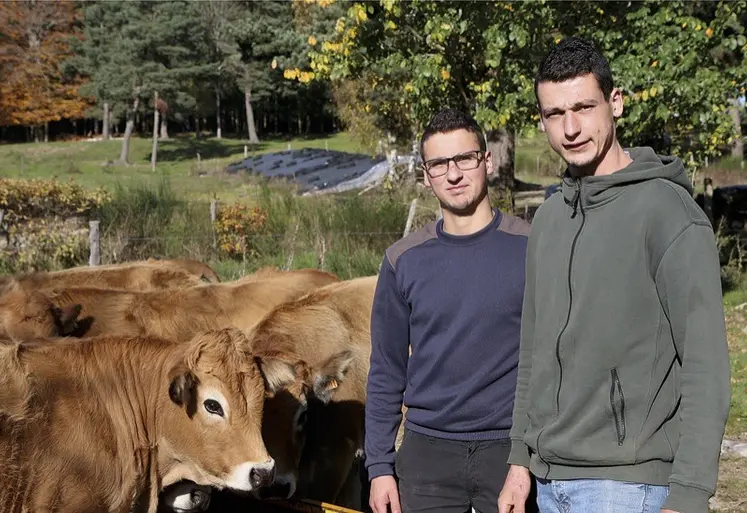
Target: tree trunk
(218, 127)
(129, 127)
(197, 127)
(250, 116)
(164, 128)
(737, 150)
(275, 113)
(501, 144)
(155, 133)
(106, 121)
(46, 132)
(36, 134)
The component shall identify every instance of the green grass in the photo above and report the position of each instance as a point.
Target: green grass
(736, 322)
(89, 163)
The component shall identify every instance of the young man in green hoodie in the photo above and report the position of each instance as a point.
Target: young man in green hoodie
(623, 383)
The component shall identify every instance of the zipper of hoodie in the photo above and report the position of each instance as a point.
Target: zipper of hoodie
(576, 207)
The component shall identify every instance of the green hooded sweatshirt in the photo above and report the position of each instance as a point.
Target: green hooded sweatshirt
(624, 366)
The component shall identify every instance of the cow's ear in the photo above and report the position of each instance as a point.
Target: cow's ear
(278, 372)
(67, 318)
(328, 376)
(183, 388)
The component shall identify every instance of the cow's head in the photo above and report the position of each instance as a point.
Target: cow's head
(285, 418)
(25, 315)
(212, 434)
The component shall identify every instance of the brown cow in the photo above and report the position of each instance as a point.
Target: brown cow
(182, 313)
(135, 276)
(204, 271)
(104, 424)
(25, 315)
(329, 330)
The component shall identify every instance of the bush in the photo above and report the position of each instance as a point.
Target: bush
(23, 200)
(45, 222)
(235, 227)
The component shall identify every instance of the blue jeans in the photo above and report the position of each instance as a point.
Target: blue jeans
(598, 496)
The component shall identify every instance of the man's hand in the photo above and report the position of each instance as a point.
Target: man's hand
(384, 491)
(515, 490)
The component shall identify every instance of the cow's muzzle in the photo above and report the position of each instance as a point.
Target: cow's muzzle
(262, 475)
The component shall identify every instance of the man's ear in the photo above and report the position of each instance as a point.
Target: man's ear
(183, 388)
(489, 169)
(617, 101)
(328, 376)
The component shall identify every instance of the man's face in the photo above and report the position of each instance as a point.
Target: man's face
(462, 185)
(579, 120)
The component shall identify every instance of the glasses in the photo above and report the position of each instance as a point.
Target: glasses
(463, 161)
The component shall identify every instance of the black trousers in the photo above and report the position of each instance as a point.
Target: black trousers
(449, 476)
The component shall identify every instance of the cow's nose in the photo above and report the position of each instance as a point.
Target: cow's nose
(262, 476)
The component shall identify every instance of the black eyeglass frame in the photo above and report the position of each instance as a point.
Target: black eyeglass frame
(479, 154)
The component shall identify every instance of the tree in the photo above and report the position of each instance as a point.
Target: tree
(35, 41)
(417, 57)
(132, 49)
(679, 64)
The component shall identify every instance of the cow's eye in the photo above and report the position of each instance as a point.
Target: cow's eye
(213, 406)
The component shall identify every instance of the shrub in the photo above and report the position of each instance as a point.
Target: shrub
(23, 200)
(235, 227)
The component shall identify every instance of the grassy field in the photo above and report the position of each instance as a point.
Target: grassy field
(731, 495)
(90, 163)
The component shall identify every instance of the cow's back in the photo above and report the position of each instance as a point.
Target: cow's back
(136, 277)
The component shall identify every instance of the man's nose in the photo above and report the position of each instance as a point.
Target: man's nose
(571, 125)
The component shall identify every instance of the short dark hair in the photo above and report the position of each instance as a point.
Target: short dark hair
(449, 120)
(573, 57)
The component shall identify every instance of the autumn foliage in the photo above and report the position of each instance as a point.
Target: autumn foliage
(34, 42)
(236, 226)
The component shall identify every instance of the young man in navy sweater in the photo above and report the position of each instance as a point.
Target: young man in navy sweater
(451, 295)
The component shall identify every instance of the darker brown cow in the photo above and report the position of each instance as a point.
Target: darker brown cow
(27, 315)
(180, 314)
(136, 277)
(104, 424)
(329, 330)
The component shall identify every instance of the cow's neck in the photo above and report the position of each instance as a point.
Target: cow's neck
(132, 391)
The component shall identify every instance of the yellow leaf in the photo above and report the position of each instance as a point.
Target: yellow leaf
(312, 40)
(445, 74)
(644, 96)
(697, 28)
(709, 32)
(274, 63)
(654, 64)
(684, 25)
(652, 92)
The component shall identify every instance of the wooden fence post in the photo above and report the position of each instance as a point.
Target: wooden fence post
(94, 257)
(410, 217)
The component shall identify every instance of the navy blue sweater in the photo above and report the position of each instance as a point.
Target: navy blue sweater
(455, 303)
